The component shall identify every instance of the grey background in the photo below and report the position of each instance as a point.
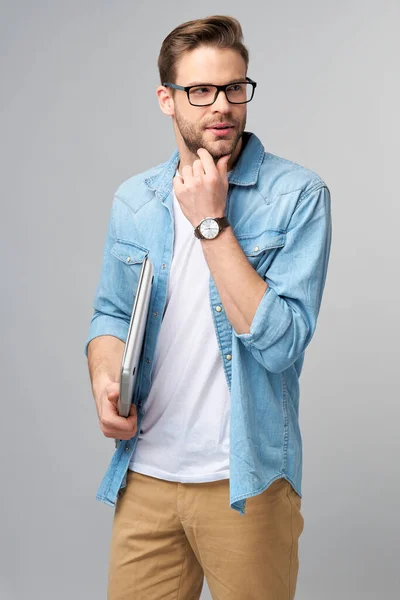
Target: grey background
(79, 115)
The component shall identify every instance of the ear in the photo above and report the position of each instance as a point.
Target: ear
(165, 100)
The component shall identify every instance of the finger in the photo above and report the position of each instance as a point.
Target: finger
(207, 161)
(187, 173)
(131, 420)
(178, 176)
(114, 424)
(129, 423)
(126, 432)
(222, 165)
(198, 168)
(178, 184)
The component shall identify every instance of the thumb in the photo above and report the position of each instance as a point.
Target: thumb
(112, 389)
(113, 394)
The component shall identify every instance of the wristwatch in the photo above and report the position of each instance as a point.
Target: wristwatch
(210, 227)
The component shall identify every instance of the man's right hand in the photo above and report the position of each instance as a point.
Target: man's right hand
(111, 423)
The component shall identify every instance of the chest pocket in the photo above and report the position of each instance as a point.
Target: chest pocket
(127, 265)
(260, 248)
(129, 252)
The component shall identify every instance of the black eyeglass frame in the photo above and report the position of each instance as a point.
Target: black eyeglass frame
(187, 89)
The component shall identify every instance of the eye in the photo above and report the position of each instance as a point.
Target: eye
(200, 90)
(236, 87)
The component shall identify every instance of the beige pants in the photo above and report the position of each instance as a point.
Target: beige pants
(166, 536)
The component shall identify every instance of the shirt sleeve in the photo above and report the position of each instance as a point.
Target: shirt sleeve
(286, 316)
(109, 316)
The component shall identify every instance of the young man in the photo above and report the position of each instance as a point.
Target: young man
(207, 476)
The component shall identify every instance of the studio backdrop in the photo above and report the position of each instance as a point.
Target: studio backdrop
(79, 115)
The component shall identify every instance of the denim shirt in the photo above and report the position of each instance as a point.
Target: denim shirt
(280, 214)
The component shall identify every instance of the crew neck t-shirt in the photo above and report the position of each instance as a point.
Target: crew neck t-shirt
(185, 429)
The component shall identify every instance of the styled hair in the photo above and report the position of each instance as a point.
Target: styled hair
(218, 30)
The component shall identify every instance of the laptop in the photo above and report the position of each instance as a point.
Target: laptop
(135, 338)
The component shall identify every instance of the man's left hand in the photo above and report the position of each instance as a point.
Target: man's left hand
(202, 189)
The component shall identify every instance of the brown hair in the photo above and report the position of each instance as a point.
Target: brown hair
(218, 30)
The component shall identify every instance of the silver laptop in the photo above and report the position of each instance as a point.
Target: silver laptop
(135, 337)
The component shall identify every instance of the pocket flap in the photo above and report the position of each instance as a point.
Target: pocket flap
(253, 245)
(129, 252)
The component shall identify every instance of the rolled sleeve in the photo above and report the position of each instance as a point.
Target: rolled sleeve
(102, 324)
(269, 321)
(111, 314)
(286, 316)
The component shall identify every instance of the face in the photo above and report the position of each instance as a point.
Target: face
(191, 123)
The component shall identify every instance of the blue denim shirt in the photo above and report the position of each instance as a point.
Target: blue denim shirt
(280, 213)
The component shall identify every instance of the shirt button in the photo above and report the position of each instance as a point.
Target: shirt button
(218, 308)
(127, 449)
(155, 314)
(228, 357)
(163, 266)
(128, 259)
(256, 248)
(148, 360)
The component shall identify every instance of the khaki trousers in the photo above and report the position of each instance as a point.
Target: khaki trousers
(167, 535)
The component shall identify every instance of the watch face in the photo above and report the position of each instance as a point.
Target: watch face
(209, 228)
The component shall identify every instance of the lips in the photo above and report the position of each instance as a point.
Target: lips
(220, 130)
(220, 126)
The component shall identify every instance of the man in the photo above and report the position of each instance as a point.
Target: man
(207, 476)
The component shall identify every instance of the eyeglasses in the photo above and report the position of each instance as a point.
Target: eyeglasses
(239, 92)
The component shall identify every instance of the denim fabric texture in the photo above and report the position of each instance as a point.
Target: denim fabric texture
(280, 213)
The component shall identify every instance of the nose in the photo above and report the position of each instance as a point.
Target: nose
(221, 103)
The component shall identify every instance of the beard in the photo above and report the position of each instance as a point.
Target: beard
(194, 137)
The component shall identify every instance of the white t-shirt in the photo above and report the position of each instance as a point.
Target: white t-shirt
(185, 428)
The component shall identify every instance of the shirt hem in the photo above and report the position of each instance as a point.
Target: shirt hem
(151, 472)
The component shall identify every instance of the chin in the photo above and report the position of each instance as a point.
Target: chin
(219, 148)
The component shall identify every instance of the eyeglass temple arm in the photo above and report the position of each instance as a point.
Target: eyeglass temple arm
(173, 85)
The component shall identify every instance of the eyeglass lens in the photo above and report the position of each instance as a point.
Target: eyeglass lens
(236, 93)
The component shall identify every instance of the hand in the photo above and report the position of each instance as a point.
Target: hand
(112, 424)
(203, 187)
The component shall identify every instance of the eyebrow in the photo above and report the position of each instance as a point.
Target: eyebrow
(208, 83)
